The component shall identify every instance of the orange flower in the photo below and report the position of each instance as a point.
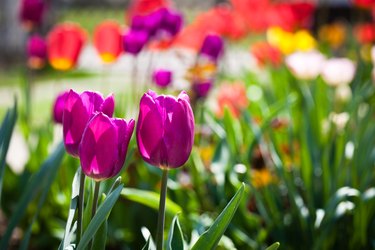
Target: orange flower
(261, 177)
(334, 34)
(64, 44)
(265, 53)
(108, 41)
(233, 96)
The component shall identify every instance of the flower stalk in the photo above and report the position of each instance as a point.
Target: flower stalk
(80, 206)
(161, 216)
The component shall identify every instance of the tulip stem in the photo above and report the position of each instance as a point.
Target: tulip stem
(94, 205)
(80, 206)
(161, 216)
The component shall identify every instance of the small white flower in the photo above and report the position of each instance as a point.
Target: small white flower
(338, 71)
(305, 65)
(343, 93)
(340, 120)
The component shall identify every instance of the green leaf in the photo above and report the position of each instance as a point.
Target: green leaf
(210, 238)
(101, 236)
(6, 131)
(38, 182)
(100, 216)
(150, 245)
(150, 199)
(175, 238)
(72, 209)
(274, 246)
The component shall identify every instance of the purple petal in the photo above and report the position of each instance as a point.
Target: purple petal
(149, 129)
(108, 106)
(98, 150)
(58, 107)
(124, 133)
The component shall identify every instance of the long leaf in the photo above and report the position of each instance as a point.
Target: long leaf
(175, 238)
(35, 185)
(100, 216)
(6, 131)
(274, 246)
(210, 238)
(72, 209)
(150, 199)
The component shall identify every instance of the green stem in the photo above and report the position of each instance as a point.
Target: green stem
(80, 205)
(94, 205)
(161, 216)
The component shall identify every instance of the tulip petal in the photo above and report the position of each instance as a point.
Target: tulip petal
(98, 150)
(124, 133)
(108, 106)
(149, 129)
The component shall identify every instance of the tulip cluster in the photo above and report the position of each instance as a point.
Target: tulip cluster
(162, 24)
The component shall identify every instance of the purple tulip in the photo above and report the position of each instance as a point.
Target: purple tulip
(36, 49)
(165, 129)
(162, 77)
(31, 12)
(172, 22)
(58, 107)
(153, 21)
(201, 89)
(104, 146)
(212, 46)
(78, 110)
(134, 41)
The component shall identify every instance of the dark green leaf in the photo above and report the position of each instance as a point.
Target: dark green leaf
(210, 238)
(175, 238)
(100, 216)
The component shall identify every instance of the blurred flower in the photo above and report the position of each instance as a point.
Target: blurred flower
(144, 7)
(304, 41)
(212, 47)
(104, 146)
(265, 54)
(201, 71)
(305, 65)
(364, 3)
(261, 177)
(64, 44)
(165, 129)
(289, 42)
(78, 110)
(206, 153)
(334, 34)
(201, 89)
(365, 33)
(162, 77)
(36, 52)
(338, 71)
(339, 120)
(108, 41)
(58, 107)
(172, 22)
(31, 13)
(232, 96)
(281, 39)
(343, 93)
(134, 41)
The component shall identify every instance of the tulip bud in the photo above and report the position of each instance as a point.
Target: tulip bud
(65, 42)
(104, 146)
(212, 46)
(78, 110)
(165, 129)
(58, 107)
(36, 52)
(31, 13)
(108, 41)
(338, 71)
(172, 22)
(162, 78)
(305, 65)
(201, 89)
(134, 41)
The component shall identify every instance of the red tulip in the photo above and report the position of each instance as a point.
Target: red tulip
(108, 41)
(365, 33)
(64, 44)
(265, 53)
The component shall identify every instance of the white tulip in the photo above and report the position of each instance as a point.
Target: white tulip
(338, 71)
(305, 65)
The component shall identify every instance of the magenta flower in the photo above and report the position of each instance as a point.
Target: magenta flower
(201, 89)
(31, 13)
(162, 77)
(212, 46)
(36, 49)
(134, 41)
(172, 22)
(165, 129)
(104, 146)
(78, 110)
(58, 107)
